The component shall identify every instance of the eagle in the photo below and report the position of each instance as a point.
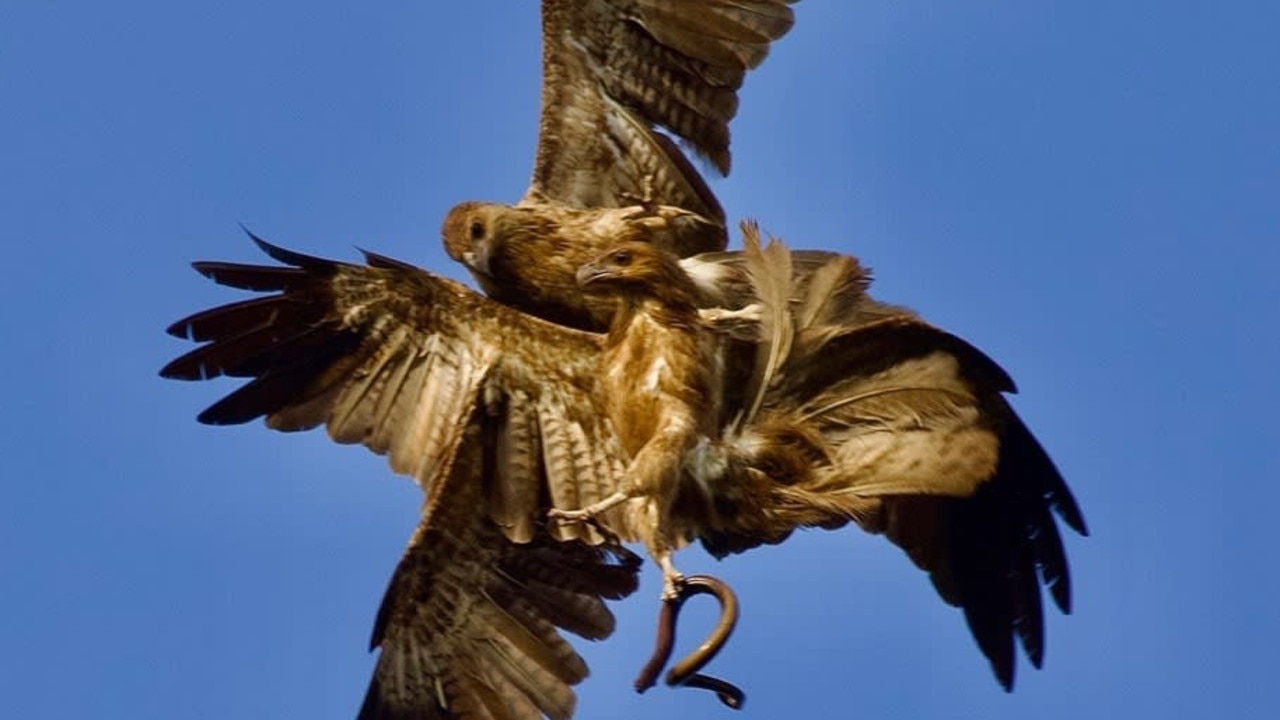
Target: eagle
(616, 73)
(817, 405)
(540, 447)
(469, 624)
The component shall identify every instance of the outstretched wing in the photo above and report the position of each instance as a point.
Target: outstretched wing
(491, 411)
(397, 359)
(613, 70)
(467, 628)
(910, 435)
(918, 426)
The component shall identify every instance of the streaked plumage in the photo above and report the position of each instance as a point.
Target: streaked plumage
(816, 405)
(616, 74)
(853, 411)
(659, 382)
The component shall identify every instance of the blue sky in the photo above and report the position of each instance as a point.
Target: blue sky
(1088, 191)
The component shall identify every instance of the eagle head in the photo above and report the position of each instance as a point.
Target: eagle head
(633, 264)
(469, 234)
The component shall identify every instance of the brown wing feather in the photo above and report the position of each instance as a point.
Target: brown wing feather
(396, 358)
(468, 624)
(615, 69)
(902, 406)
(989, 553)
(906, 431)
(961, 484)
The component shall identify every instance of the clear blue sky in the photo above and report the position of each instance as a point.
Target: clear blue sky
(1089, 191)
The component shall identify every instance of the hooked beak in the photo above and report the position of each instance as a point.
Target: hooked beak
(477, 259)
(591, 272)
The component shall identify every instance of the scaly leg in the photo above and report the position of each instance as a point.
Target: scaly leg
(659, 546)
(588, 514)
(672, 579)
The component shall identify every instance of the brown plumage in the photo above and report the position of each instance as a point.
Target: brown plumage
(736, 397)
(467, 627)
(478, 403)
(834, 408)
(659, 381)
(399, 360)
(526, 256)
(616, 73)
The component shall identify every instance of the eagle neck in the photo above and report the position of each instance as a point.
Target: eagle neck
(678, 316)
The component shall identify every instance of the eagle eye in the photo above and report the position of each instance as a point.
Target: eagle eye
(477, 230)
(622, 257)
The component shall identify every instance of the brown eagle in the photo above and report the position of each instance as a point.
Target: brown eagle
(842, 409)
(614, 72)
(468, 625)
(817, 405)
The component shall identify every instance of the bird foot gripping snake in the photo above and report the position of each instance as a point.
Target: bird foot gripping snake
(685, 673)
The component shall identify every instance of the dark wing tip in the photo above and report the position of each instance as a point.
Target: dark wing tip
(992, 626)
(1060, 589)
(377, 260)
(181, 330)
(1036, 463)
(1064, 504)
(231, 410)
(212, 416)
(289, 257)
(176, 369)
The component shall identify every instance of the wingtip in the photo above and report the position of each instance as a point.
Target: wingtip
(378, 260)
(288, 257)
(1060, 591)
(166, 372)
(273, 251)
(263, 245)
(181, 330)
(217, 414)
(1069, 510)
(1005, 673)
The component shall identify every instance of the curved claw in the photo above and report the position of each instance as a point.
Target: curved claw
(685, 672)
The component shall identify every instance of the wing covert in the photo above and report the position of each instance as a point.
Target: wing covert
(396, 358)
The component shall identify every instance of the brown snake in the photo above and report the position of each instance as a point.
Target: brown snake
(685, 672)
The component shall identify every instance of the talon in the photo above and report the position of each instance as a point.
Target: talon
(673, 586)
(589, 513)
(590, 517)
(571, 516)
(584, 516)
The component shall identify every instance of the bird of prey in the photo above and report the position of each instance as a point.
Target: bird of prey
(822, 406)
(848, 410)
(615, 74)
(468, 627)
